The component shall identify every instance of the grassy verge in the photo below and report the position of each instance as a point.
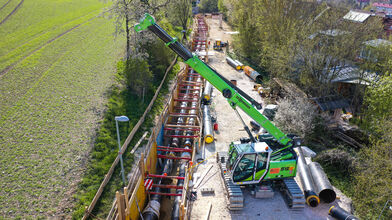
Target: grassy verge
(122, 101)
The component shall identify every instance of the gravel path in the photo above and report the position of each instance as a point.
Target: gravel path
(231, 129)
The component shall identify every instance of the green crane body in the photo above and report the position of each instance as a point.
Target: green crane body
(279, 162)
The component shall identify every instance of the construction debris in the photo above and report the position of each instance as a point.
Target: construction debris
(206, 191)
(202, 176)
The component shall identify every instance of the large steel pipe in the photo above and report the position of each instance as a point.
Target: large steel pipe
(253, 74)
(240, 64)
(207, 125)
(323, 186)
(152, 210)
(176, 206)
(340, 214)
(233, 63)
(187, 144)
(306, 179)
(206, 98)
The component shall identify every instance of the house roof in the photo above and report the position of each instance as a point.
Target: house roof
(384, 5)
(329, 103)
(352, 75)
(333, 32)
(378, 42)
(357, 16)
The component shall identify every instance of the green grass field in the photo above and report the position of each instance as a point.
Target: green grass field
(57, 61)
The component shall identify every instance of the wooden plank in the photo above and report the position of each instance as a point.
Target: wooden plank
(142, 167)
(208, 211)
(127, 205)
(120, 206)
(139, 142)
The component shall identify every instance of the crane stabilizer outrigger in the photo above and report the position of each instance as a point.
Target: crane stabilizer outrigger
(245, 163)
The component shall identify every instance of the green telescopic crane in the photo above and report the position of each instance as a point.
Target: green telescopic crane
(235, 96)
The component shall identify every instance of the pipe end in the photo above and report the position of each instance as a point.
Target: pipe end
(208, 139)
(327, 195)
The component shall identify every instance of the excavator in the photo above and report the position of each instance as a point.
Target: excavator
(250, 161)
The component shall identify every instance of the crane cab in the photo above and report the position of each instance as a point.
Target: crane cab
(250, 163)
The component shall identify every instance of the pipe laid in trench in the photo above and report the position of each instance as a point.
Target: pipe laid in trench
(152, 210)
(340, 214)
(207, 125)
(177, 199)
(306, 179)
(187, 144)
(323, 186)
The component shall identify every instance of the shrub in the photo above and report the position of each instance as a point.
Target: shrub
(296, 115)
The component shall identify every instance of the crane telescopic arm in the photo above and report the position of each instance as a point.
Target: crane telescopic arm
(235, 96)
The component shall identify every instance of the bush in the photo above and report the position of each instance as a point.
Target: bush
(337, 159)
(208, 6)
(296, 115)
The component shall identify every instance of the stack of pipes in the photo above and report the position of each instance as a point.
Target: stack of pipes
(234, 63)
(315, 183)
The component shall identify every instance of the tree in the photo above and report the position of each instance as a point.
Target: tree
(296, 115)
(374, 179)
(305, 42)
(180, 13)
(378, 101)
(130, 11)
(208, 6)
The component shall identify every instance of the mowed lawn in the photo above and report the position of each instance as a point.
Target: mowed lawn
(57, 61)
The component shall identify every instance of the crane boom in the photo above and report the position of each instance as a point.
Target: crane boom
(235, 96)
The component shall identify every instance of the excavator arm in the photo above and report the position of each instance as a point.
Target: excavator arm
(235, 96)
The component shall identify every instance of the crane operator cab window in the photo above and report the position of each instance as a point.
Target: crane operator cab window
(262, 159)
(245, 168)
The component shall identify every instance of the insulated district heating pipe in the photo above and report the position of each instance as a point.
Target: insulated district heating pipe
(207, 123)
(323, 186)
(233, 63)
(253, 74)
(207, 93)
(240, 64)
(340, 214)
(307, 182)
(187, 144)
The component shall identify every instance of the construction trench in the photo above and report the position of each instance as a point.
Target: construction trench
(180, 157)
